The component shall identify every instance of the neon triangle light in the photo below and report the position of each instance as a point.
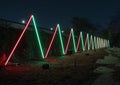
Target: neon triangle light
(68, 42)
(20, 37)
(87, 42)
(53, 37)
(78, 42)
(91, 42)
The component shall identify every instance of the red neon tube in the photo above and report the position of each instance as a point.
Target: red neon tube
(51, 42)
(18, 41)
(68, 42)
(78, 43)
(86, 42)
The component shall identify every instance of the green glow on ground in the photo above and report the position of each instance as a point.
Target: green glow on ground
(38, 38)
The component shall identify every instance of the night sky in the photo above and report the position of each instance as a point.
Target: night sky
(50, 12)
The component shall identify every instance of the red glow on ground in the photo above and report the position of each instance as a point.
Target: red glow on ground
(51, 60)
(15, 69)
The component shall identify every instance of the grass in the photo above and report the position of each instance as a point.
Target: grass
(69, 70)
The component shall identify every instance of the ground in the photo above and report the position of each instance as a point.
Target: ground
(76, 69)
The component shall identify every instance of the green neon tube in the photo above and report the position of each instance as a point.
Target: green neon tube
(108, 44)
(61, 40)
(82, 41)
(38, 38)
(73, 38)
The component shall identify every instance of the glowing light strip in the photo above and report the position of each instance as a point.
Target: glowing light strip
(51, 42)
(61, 40)
(91, 42)
(11, 53)
(86, 41)
(68, 42)
(83, 48)
(100, 42)
(73, 38)
(108, 44)
(93, 45)
(78, 43)
(95, 42)
(38, 38)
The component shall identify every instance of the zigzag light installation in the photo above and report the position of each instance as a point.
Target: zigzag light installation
(96, 42)
(40, 46)
(53, 37)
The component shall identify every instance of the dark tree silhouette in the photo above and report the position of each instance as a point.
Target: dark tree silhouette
(114, 30)
(82, 24)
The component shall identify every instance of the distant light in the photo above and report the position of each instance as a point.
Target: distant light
(51, 28)
(62, 31)
(23, 21)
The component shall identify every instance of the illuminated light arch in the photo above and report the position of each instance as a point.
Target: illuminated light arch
(91, 42)
(53, 37)
(82, 42)
(68, 42)
(20, 37)
(95, 42)
(87, 42)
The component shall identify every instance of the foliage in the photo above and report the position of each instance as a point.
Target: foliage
(82, 24)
